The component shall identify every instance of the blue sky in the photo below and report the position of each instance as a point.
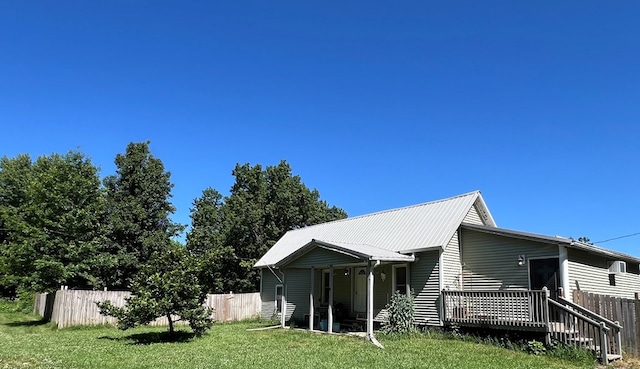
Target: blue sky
(376, 104)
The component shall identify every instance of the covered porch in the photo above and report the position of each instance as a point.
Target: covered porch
(348, 285)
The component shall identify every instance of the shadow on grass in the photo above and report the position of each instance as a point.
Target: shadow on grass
(153, 337)
(27, 323)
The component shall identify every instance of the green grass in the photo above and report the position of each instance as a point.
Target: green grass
(26, 342)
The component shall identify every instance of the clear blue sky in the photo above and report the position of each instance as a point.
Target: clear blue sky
(376, 104)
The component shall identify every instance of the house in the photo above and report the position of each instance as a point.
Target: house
(351, 267)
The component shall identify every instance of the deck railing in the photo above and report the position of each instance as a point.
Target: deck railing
(527, 309)
(563, 321)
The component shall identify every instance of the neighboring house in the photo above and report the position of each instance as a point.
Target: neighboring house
(355, 264)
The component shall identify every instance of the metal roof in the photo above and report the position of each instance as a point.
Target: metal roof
(409, 229)
(556, 240)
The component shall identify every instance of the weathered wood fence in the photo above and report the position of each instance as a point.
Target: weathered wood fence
(624, 311)
(78, 307)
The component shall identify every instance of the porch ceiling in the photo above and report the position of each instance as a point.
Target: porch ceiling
(361, 252)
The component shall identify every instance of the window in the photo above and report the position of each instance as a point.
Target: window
(325, 287)
(400, 279)
(279, 291)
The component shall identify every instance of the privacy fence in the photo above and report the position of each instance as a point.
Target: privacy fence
(624, 311)
(78, 307)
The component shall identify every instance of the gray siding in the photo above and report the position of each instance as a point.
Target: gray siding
(491, 261)
(473, 216)
(297, 288)
(382, 289)
(452, 267)
(267, 293)
(425, 285)
(320, 257)
(591, 273)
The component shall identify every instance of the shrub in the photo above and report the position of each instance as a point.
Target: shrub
(400, 318)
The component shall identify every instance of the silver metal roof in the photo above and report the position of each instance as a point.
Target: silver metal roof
(556, 240)
(409, 229)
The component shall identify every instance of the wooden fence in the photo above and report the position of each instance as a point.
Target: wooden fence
(78, 307)
(624, 311)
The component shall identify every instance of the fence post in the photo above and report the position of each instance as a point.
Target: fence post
(619, 338)
(603, 343)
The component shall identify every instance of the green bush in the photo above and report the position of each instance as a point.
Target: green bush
(400, 318)
(535, 347)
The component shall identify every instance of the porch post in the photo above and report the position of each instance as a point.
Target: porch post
(330, 309)
(311, 310)
(369, 300)
(563, 256)
(283, 313)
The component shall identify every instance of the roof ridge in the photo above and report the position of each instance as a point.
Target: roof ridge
(346, 242)
(392, 210)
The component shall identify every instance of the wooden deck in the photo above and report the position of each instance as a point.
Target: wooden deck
(562, 320)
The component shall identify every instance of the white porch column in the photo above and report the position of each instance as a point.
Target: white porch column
(563, 257)
(283, 313)
(330, 309)
(311, 307)
(369, 300)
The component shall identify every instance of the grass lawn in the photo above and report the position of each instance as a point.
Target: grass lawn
(27, 343)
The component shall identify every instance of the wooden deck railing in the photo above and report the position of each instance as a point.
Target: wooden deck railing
(563, 321)
(513, 309)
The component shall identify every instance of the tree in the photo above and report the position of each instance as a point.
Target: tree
(138, 210)
(262, 206)
(51, 213)
(205, 240)
(165, 286)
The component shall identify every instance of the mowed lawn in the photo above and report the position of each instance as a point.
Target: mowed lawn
(27, 343)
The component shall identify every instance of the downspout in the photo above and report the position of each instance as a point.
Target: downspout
(441, 284)
(370, 280)
(274, 274)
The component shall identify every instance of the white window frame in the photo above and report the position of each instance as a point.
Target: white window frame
(394, 278)
(278, 311)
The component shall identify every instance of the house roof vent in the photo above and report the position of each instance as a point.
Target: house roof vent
(617, 267)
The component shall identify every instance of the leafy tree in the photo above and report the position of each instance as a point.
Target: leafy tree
(138, 209)
(51, 216)
(165, 286)
(262, 206)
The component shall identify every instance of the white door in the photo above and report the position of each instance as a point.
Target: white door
(361, 290)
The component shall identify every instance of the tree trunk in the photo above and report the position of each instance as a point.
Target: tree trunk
(170, 324)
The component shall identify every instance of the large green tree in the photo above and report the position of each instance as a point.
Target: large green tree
(51, 212)
(236, 231)
(137, 211)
